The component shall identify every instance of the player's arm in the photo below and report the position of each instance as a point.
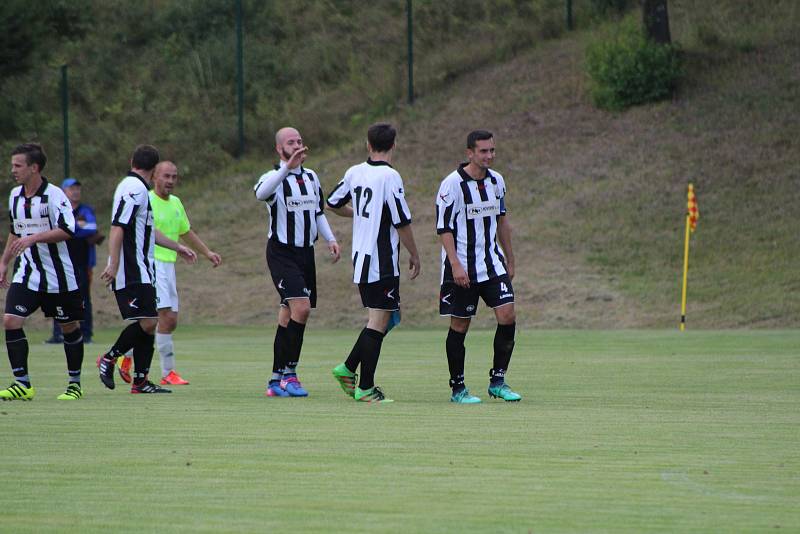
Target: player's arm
(460, 276)
(407, 239)
(326, 232)
(339, 199)
(504, 237)
(268, 183)
(114, 249)
(184, 252)
(343, 211)
(4, 261)
(51, 236)
(196, 243)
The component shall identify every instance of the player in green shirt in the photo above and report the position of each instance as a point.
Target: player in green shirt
(170, 218)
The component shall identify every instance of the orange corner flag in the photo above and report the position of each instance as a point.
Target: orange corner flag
(694, 213)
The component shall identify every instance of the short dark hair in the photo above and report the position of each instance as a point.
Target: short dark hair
(381, 136)
(478, 135)
(145, 157)
(34, 153)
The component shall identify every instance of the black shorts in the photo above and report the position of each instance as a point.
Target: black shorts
(137, 301)
(293, 271)
(381, 295)
(458, 301)
(63, 307)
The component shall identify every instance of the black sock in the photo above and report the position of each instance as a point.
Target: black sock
(73, 349)
(279, 350)
(143, 357)
(294, 342)
(17, 345)
(503, 347)
(126, 341)
(370, 351)
(455, 358)
(354, 358)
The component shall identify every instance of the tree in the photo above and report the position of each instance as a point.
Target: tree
(656, 20)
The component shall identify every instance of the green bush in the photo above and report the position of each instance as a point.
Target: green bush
(627, 69)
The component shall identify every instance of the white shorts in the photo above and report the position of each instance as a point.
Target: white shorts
(166, 286)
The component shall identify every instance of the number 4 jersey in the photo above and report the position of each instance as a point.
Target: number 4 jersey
(375, 191)
(470, 210)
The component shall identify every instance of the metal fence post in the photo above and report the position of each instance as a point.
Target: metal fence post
(240, 75)
(65, 115)
(410, 32)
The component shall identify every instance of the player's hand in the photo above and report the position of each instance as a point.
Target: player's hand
(510, 269)
(214, 258)
(459, 275)
(109, 273)
(298, 157)
(188, 255)
(413, 267)
(335, 251)
(19, 245)
(3, 280)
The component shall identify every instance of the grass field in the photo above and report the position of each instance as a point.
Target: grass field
(618, 431)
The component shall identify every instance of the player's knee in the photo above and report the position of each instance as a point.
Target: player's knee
(12, 322)
(459, 324)
(167, 325)
(301, 310)
(506, 315)
(69, 327)
(148, 325)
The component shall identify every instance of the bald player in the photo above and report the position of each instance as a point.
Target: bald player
(294, 199)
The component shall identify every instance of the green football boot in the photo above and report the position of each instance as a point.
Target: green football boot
(17, 391)
(503, 391)
(464, 397)
(347, 380)
(73, 392)
(370, 395)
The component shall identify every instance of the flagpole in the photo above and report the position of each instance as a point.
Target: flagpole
(685, 273)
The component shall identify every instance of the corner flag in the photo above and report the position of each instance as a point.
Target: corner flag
(692, 215)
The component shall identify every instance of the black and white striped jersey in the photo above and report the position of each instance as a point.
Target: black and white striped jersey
(45, 267)
(470, 210)
(294, 204)
(379, 208)
(132, 212)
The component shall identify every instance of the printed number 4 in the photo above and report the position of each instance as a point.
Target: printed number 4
(503, 287)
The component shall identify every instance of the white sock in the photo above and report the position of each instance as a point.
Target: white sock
(166, 356)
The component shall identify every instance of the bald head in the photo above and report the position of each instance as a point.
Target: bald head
(165, 177)
(284, 133)
(287, 141)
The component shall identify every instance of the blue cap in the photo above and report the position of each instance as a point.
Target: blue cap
(69, 182)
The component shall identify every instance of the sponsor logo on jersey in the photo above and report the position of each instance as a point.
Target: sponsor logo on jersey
(483, 209)
(301, 203)
(20, 308)
(471, 308)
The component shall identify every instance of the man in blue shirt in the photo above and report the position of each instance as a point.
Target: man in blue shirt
(83, 254)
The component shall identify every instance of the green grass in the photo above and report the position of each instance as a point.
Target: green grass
(618, 431)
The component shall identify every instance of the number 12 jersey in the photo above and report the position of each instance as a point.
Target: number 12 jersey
(379, 205)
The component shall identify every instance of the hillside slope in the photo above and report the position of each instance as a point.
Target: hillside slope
(596, 199)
